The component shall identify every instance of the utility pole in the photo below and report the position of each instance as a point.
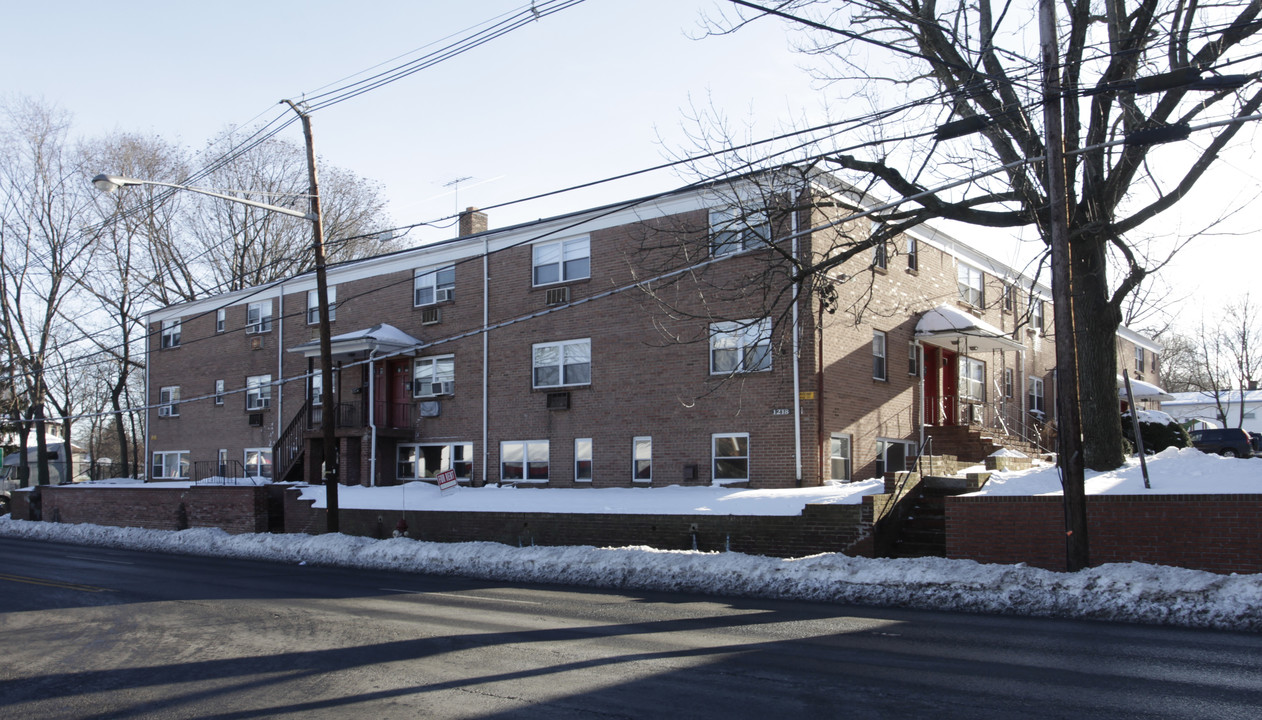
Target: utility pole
(1068, 420)
(329, 434)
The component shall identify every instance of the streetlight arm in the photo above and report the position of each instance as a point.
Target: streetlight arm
(110, 183)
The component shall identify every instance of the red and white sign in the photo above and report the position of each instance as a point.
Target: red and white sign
(447, 481)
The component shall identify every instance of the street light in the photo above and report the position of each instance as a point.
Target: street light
(110, 183)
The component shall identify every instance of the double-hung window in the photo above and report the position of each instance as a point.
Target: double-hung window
(839, 457)
(219, 390)
(426, 460)
(258, 392)
(733, 230)
(221, 320)
(880, 256)
(432, 376)
(878, 355)
(170, 465)
(972, 379)
(582, 460)
(1139, 359)
(434, 285)
(169, 401)
(913, 359)
(1008, 388)
(561, 364)
(170, 333)
(913, 254)
(740, 346)
(1036, 395)
(258, 462)
(524, 460)
(313, 306)
(1036, 314)
(731, 457)
(562, 261)
(642, 459)
(258, 317)
(972, 285)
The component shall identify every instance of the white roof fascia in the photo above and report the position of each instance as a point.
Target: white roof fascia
(1141, 340)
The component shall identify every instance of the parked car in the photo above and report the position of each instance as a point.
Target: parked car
(1228, 442)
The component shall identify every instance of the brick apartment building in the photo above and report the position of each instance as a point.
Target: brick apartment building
(655, 342)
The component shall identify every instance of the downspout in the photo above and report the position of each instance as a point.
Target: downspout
(797, 365)
(280, 367)
(372, 420)
(147, 459)
(824, 443)
(486, 350)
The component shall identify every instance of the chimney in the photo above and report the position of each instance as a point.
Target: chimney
(472, 222)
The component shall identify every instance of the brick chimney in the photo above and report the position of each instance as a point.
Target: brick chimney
(472, 222)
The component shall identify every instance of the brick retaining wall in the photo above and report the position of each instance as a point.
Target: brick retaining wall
(236, 509)
(1218, 533)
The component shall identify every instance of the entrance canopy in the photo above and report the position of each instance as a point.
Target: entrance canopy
(954, 329)
(383, 338)
(1142, 390)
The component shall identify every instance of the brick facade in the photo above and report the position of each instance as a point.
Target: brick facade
(233, 509)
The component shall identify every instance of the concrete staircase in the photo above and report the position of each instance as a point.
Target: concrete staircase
(972, 445)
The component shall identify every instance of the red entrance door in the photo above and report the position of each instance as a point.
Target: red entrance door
(392, 383)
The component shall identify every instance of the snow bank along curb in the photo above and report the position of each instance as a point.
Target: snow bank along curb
(1125, 592)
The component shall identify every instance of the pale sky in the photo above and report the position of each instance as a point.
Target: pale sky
(596, 90)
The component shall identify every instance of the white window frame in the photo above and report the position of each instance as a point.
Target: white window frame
(883, 447)
(733, 230)
(972, 379)
(219, 392)
(749, 339)
(315, 388)
(838, 441)
(971, 283)
(913, 253)
(565, 350)
(1009, 297)
(221, 320)
(715, 458)
(913, 359)
(583, 452)
(169, 401)
(170, 334)
(434, 370)
(261, 466)
(313, 305)
(176, 460)
(881, 255)
(880, 368)
(438, 282)
(1035, 390)
(1139, 359)
(258, 392)
(532, 452)
(1009, 382)
(258, 317)
(570, 259)
(456, 456)
(221, 462)
(642, 459)
(1037, 316)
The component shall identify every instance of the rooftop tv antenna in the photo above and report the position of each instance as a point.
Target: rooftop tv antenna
(456, 192)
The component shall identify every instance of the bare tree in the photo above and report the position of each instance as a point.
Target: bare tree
(1131, 78)
(1182, 369)
(1230, 356)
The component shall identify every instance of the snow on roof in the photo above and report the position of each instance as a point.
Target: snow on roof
(946, 322)
(1206, 397)
(1142, 389)
(378, 337)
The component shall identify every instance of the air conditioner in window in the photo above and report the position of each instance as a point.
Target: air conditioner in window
(442, 388)
(166, 411)
(444, 294)
(556, 296)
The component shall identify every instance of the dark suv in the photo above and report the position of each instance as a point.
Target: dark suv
(1228, 442)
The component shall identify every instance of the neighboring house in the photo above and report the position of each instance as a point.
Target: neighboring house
(629, 345)
(1207, 406)
(58, 472)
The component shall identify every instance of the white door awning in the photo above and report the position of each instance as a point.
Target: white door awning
(954, 329)
(383, 338)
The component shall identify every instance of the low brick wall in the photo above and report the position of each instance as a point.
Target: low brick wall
(819, 529)
(1218, 533)
(235, 509)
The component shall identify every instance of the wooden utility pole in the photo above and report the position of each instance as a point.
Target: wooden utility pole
(1068, 420)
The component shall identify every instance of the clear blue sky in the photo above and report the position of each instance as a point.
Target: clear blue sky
(596, 90)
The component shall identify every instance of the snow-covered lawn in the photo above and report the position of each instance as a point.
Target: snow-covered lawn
(1128, 592)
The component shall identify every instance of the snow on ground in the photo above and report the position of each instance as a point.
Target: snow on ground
(1132, 592)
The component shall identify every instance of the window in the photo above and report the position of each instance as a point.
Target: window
(526, 460)
(913, 359)
(913, 254)
(313, 306)
(221, 320)
(258, 462)
(258, 317)
(1009, 298)
(258, 392)
(972, 286)
(731, 457)
(1036, 314)
(170, 333)
(878, 355)
(839, 457)
(561, 261)
(426, 460)
(741, 346)
(434, 286)
(972, 379)
(1008, 383)
(169, 401)
(891, 456)
(315, 388)
(562, 363)
(219, 388)
(880, 256)
(642, 459)
(1036, 395)
(222, 462)
(433, 376)
(735, 230)
(582, 460)
(170, 465)
(1139, 359)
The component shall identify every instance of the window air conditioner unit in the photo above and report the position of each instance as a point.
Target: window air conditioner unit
(444, 294)
(431, 316)
(442, 388)
(556, 296)
(559, 401)
(166, 411)
(256, 419)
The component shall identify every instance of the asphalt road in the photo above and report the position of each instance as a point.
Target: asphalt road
(88, 633)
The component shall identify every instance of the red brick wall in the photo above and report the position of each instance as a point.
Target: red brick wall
(234, 509)
(1218, 533)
